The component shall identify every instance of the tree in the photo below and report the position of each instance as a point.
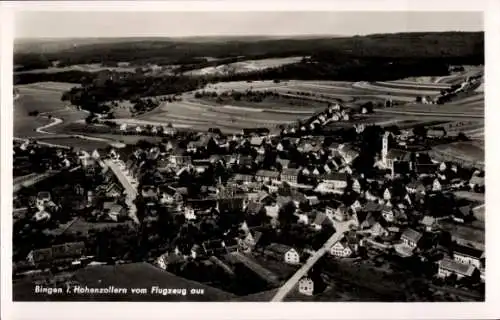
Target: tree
(420, 131)
(286, 214)
(462, 137)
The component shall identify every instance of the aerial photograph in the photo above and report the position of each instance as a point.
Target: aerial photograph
(248, 156)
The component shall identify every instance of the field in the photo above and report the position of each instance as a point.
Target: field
(198, 115)
(245, 66)
(95, 67)
(45, 98)
(231, 115)
(469, 151)
(74, 142)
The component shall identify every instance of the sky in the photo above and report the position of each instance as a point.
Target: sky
(60, 24)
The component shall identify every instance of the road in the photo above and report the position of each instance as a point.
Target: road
(340, 229)
(130, 190)
(55, 122)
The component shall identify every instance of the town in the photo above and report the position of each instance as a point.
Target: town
(301, 212)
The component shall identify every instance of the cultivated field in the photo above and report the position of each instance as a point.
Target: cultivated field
(45, 98)
(469, 151)
(75, 142)
(231, 115)
(95, 67)
(245, 66)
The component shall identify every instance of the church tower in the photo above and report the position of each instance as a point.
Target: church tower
(385, 148)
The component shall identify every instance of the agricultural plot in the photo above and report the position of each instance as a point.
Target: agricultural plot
(201, 116)
(468, 151)
(44, 98)
(77, 143)
(95, 67)
(245, 66)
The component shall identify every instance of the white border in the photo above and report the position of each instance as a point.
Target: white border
(222, 311)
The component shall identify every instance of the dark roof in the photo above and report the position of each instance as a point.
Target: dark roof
(267, 173)
(467, 251)
(320, 218)
(427, 168)
(335, 176)
(396, 154)
(254, 207)
(454, 266)
(372, 206)
(412, 235)
(290, 172)
(278, 248)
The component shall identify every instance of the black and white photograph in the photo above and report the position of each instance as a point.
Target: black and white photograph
(287, 156)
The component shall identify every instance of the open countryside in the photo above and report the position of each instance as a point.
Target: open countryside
(336, 169)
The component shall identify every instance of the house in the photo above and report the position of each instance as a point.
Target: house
(41, 215)
(213, 247)
(290, 175)
(341, 213)
(320, 220)
(267, 176)
(283, 162)
(169, 195)
(272, 211)
(95, 154)
(356, 206)
(113, 190)
(462, 213)
(286, 253)
(476, 182)
(197, 251)
(429, 222)
(256, 141)
(356, 186)
(348, 154)
(436, 185)
(387, 194)
(415, 187)
(253, 207)
(303, 218)
(250, 241)
(42, 198)
(411, 238)
(447, 267)
(243, 178)
(167, 259)
(189, 213)
(306, 286)
(467, 255)
(337, 180)
(388, 213)
(378, 230)
(149, 193)
(343, 248)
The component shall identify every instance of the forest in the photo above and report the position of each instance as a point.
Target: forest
(469, 45)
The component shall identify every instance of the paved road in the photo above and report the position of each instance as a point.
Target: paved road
(340, 228)
(130, 190)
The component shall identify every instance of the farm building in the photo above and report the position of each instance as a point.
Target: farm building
(282, 252)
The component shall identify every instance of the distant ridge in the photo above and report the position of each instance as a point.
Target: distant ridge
(26, 45)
